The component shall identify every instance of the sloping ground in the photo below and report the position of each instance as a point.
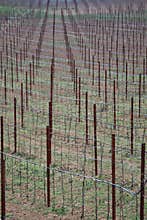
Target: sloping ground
(75, 192)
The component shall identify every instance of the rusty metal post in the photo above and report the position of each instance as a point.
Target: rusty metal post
(126, 80)
(95, 139)
(123, 57)
(85, 57)
(89, 61)
(144, 76)
(132, 124)
(1, 61)
(114, 103)
(22, 107)
(21, 60)
(30, 79)
(11, 51)
(7, 51)
(117, 69)
(17, 66)
(66, 5)
(142, 185)
(24, 52)
(93, 70)
(113, 179)
(86, 104)
(79, 98)
(51, 80)
(50, 118)
(51, 97)
(105, 88)
(74, 75)
(48, 163)
(103, 55)
(12, 77)
(27, 42)
(146, 61)
(3, 181)
(98, 49)
(99, 78)
(33, 69)
(27, 91)
(76, 86)
(82, 49)
(110, 64)
(54, 20)
(136, 53)
(15, 127)
(57, 4)
(36, 61)
(5, 85)
(133, 67)
(139, 95)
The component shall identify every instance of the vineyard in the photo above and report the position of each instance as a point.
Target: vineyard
(73, 108)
